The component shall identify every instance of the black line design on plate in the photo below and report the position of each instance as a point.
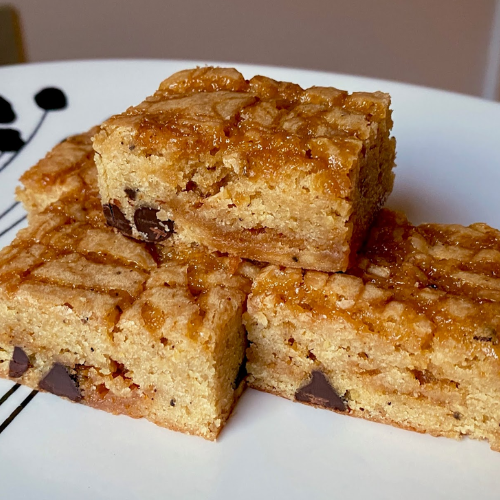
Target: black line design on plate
(7, 210)
(48, 99)
(9, 393)
(18, 410)
(12, 226)
(14, 156)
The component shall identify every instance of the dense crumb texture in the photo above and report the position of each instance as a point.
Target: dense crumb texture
(120, 325)
(256, 168)
(409, 337)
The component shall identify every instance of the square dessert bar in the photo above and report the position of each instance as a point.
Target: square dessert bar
(116, 324)
(256, 168)
(409, 337)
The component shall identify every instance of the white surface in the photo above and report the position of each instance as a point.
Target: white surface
(445, 43)
(448, 171)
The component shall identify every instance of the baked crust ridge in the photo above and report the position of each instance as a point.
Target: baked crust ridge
(256, 168)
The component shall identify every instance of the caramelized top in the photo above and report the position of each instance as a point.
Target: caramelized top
(68, 245)
(417, 285)
(68, 168)
(267, 127)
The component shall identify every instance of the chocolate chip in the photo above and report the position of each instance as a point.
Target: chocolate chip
(59, 382)
(19, 363)
(311, 356)
(457, 415)
(147, 222)
(295, 259)
(482, 339)
(131, 193)
(155, 254)
(319, 392)
(492, 337)
(114, 217)
(172, 402)
(240, 376)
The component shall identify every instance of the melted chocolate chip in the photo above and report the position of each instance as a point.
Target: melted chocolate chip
(240, 376)
(131, 193)
(114, 217)
(59, 382)
(19, 363)
(155, 254)
(147, 222)
(311, 356)
(493, 338)
(319, 392)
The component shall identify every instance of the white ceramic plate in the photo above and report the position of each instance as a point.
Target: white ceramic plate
(448, 171)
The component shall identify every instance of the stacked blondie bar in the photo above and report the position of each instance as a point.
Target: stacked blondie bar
(248, 246)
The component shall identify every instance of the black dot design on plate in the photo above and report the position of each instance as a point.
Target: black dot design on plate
(10, 140)
(48, 99)
(51, 99)
(7, 114)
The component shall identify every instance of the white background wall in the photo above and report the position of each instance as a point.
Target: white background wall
(451, 44)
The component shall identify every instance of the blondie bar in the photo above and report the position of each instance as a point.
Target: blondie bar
(408, 337)
(116, 324)
(256, 168)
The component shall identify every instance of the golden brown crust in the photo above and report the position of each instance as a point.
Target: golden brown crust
(298, 171)
(135, 406)
(144, 331)
(409, 336)
(67, 169)
(495, 445)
